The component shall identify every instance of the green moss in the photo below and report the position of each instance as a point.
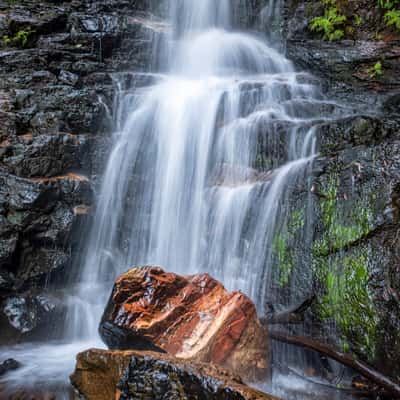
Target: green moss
(262, 163)
(340, 230)
(20, 39)
(296, 221)
(348, 301)
(376, 70)
(343, 276)
(284, 258)
(281, 246)
(358, 21)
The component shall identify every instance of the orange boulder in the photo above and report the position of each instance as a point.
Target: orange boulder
(189, 317)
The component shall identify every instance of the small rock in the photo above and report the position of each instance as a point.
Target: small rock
(68, 78)
(9, 365)
(26, 313)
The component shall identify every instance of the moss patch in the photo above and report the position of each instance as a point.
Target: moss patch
(282, 243)
(341, 228)
(348, 301)
(343, 274)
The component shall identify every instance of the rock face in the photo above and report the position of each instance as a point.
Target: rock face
(134, 375)
(347, 253)
(58, 63)
(347, 66)
(192, 317)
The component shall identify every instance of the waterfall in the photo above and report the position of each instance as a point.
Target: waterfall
(201, 171)
(182, 188)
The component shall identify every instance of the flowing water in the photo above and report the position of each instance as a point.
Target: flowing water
(201, 174)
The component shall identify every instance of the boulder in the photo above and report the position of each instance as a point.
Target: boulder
(190, 317)
(123, 375)
(30, 317)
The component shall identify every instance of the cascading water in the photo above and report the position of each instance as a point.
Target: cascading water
(192, 141)
(200, 174)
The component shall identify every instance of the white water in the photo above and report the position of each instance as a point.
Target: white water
(183, 187)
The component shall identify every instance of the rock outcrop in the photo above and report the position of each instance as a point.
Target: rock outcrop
(193, 318)
(347, 252)
(347, 66)
(123, 375)
(58, 63)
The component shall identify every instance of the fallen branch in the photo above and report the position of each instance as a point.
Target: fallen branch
(331, 352)
(294, 315)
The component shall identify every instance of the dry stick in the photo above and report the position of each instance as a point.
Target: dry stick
(365, 370)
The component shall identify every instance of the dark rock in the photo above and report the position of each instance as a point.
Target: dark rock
(30, 316)
(355, 131)
(8, 365)
(8, 246)
(350, 62)
(6, 283)
(102, 375)
(91, 24)
(392, 104)
(56, 99)
(68, 77)
(46, 155)
(40, 18)
(40, 218)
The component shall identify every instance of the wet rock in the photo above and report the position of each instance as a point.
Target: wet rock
(40, 17)
(356, 131)
(68, 77)
(38, 225)
(359, 181)
(124, 375)
(7, 119)
(8, 365)
(350, 62)
(191, 317)
(90, 23)
(392, 104)
(46, 155)
(8, 245)
(6, 283)
(56, 103)
(30, 316)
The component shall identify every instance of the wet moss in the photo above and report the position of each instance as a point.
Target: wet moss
(348, 301)
(341, 228)
(262, 163)
(282, 246)
(284, 258)
(343, 274)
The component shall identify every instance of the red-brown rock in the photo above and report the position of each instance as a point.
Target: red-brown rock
(192, 317)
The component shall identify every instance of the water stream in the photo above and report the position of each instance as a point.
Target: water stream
(200, 176)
